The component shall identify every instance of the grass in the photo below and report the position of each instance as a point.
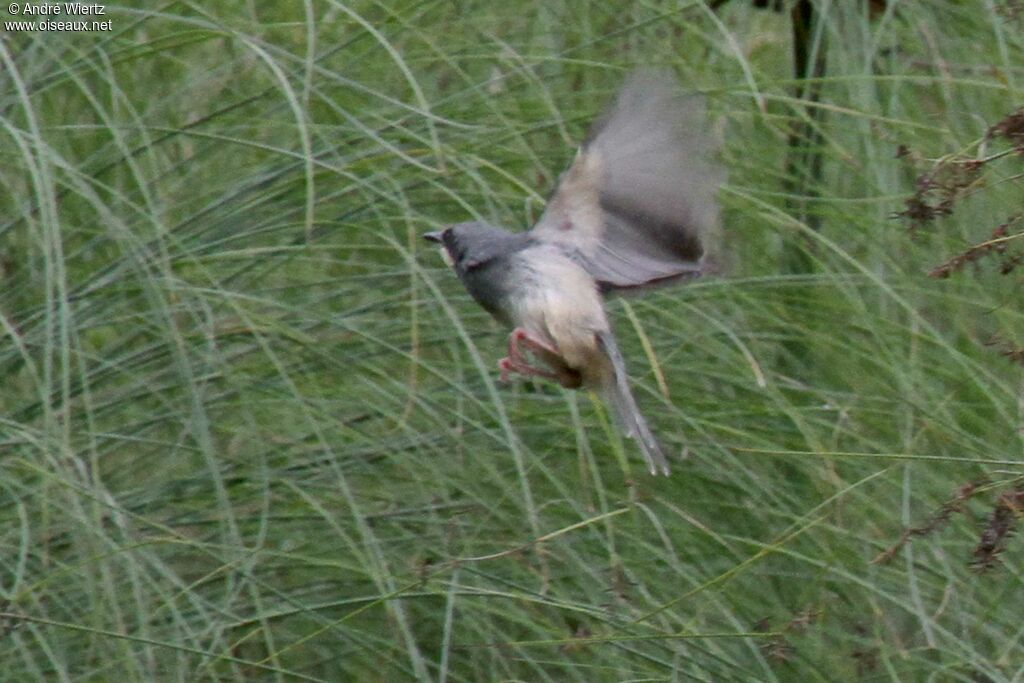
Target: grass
(250, 426)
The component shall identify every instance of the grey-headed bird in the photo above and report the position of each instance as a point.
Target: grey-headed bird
(635, 209)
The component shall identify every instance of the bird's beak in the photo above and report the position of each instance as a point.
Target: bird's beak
(433, 236)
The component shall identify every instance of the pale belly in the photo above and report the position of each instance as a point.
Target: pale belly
(556, 300)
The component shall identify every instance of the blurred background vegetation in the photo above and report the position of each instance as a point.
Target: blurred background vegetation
(250, 426)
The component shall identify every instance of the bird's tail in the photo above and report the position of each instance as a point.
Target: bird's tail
(615, 388)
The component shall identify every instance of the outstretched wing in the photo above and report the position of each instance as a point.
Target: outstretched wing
(637, 206)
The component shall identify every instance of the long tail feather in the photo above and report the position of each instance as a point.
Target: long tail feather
(617, 394)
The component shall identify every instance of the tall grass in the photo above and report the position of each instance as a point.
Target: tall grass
(250, 427)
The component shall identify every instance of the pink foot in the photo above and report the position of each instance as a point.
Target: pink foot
(510, 365)
(517, 362)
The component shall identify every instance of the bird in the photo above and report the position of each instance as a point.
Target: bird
(636, 209)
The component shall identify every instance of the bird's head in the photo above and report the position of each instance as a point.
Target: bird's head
(465, 246)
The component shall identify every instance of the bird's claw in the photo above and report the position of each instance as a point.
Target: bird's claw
(520, 366)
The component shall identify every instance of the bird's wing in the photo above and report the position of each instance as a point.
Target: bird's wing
(637, 206)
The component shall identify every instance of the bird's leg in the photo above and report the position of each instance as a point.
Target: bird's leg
(516, 360)
(521, 336)
(507, 365)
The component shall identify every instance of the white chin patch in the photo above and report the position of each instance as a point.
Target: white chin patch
(447, 257)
